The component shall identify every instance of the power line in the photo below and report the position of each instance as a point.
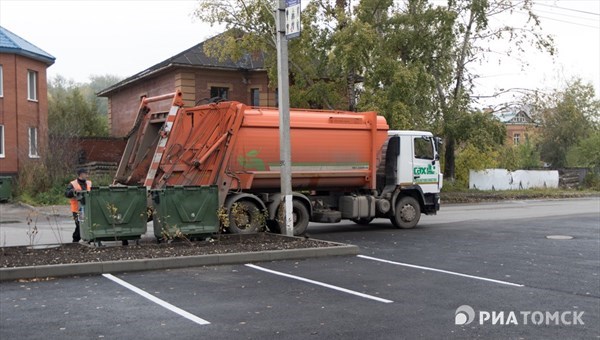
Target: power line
(569, 22)
(565, 21)
(566, 15)
(568, 9)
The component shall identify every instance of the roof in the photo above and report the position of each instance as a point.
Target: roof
(196, 58)
(508, 117)
(12, 43)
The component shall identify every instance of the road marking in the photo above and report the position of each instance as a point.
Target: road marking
(441, 271)
(156, 300)
(366, 296)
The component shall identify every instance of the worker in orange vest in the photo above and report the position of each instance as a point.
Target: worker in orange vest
(81, 183)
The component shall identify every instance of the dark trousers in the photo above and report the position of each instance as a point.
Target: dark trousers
(76, 235)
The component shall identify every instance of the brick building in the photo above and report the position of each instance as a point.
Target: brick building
(519, 125)
(23, 102)
(198, 76)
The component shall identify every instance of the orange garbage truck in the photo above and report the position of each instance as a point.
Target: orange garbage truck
(345, 165)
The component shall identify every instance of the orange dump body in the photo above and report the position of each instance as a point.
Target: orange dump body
(237, 147)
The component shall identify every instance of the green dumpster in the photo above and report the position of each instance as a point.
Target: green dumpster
(5, 188)
(187, 210)
(113, 213)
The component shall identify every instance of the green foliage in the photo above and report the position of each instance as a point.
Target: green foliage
(70, 114)
(473, 157)
(586, 153)
(522, 156)
(569, 117)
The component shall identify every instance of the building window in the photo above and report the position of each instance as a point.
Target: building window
(2, 155)
(33, 143)
(1, 82)
(221, 92)
(516, 138)
(32, 78)
(254, 97)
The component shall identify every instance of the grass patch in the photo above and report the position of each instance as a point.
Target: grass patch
(474, 196)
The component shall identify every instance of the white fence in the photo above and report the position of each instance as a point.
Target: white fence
(502, 179)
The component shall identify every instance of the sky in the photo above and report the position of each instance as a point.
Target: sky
(122, 38)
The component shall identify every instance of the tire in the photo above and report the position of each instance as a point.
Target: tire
(300, 215)
(363, 220)
(245, 217)
(408, 213)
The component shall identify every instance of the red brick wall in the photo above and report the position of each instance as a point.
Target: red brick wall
(101, 149)
(525, 131)
(18, 114)
(123, 105)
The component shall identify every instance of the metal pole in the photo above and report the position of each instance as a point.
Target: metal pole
(284, 119)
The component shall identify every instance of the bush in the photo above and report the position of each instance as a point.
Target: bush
(471, 157)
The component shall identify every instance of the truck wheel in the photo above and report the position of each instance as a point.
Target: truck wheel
(408, 213)
(245, 217)
(300, 215)
(363, 220)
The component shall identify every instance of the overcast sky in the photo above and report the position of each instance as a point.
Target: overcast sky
(125, 37)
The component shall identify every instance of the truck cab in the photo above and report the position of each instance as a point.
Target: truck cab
(418, 162)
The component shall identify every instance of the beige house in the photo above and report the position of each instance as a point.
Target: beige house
(198, 76)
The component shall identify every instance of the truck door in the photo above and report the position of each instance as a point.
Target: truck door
(425, 164)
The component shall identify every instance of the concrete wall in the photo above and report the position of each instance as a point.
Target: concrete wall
(502, 179)
(18, 114)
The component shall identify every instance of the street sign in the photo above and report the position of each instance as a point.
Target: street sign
(292, 19)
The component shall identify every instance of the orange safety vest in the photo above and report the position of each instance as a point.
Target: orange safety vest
(77, 187)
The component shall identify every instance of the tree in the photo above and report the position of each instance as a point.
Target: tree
(569, 117)
(474, 33)
(70, 114)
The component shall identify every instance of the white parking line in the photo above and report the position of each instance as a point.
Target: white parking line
(156, 300)
(441, 271)
(366, 296)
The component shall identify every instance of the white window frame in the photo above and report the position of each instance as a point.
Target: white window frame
(2, 152)
(33, 142)
(32, 92)
(516, 138)
(1, 82)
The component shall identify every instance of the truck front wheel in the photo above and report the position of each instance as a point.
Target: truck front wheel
(408, 213)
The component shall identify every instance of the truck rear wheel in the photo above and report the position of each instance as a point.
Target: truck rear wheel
(245, 217)
(408, 213)
(300, 215)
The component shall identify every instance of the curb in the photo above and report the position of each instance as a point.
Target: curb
(97, 268)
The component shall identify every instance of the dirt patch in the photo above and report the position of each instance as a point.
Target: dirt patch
(81, 253)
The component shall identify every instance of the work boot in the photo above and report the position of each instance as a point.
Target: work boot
(125, 242)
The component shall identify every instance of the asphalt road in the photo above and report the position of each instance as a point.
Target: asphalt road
(494, 258)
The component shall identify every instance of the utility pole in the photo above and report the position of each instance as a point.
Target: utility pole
(284, 118)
